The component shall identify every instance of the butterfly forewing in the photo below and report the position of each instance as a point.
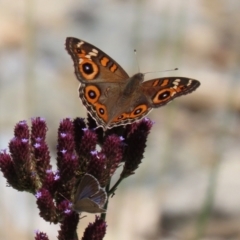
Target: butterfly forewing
(87, 187)
(91, 63)
(160, 91)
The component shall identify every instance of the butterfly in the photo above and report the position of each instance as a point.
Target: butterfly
(89, 197)
(112, 97)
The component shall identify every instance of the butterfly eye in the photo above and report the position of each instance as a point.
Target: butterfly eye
(137, 111)
(164, 95)
(87, 68)
(101, 111)
(92, 94)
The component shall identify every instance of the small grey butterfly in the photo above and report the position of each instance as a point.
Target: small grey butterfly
(90, 197)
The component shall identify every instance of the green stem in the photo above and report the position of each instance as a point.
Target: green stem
(205, 214)
(114, 188)
(75, 236)
(110, 192)
(103, 215)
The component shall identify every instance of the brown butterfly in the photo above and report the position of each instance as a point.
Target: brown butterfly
(89, 197)
(111, 96)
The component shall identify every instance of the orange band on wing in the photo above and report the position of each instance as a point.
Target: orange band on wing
(113, 68)
(138, 111)
(104, 61)
(121, 117)
(165, 82)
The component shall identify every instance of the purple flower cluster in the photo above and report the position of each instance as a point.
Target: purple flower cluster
(81, 149)
(96, 230)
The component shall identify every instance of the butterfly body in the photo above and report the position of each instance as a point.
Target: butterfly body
(111, 96)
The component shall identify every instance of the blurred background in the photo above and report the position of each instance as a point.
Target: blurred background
(188, 186)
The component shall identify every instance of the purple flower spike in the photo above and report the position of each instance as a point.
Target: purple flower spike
(96, 230)
(65, 135)
(113, 150)
(87, 145)
(79, 125)
(66, 145)
(19, 151)
(89, 142)
(136, 143)
(7, 167)
(68, 226)
(42, 159)
(41, 235)
(39, 129)
(97, 168)
(66, 126)
(67, 162)
(46, 206)
(63, 206)
(21, 130)
(51, 182)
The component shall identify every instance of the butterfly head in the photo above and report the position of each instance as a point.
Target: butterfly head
(137, 78)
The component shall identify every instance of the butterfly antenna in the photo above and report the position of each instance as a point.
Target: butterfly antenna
(168, 70)
(135, 52)
(64, 197)
(83, 217)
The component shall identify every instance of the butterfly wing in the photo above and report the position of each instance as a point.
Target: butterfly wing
(93, 65)
(90, 197)
(100, 100)
(160, 91)
(136, 109)
(152, 94)
(87, 187)
(88, 205)
(100, 197)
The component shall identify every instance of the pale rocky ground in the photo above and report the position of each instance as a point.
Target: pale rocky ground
(193, 138)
